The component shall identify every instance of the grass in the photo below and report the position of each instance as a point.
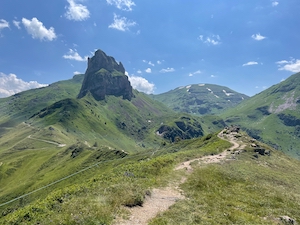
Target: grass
(96, 196)
(243, 191)
(246, 191)
(272, 116)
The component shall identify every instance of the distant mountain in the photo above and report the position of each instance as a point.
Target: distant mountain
(200, 99)
(272, 115)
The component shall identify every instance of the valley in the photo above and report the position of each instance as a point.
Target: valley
(92, 150)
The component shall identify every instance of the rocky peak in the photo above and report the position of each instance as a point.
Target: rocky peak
(104, 76)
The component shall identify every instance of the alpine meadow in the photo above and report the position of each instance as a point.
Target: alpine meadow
(94, 150)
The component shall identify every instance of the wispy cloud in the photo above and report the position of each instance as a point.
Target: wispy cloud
(293, 65)
(37, 30)
(149, 62)
(3, 24)
(258, 37)
(73, 55)
(141, 84)
(210, 40)
(251, 63)
(125, 5)
(10, 85)
(76, 11)
(148, 70)
(275, 3)
(121, 23)
(167, 70)
(17, 24)
(194, 73)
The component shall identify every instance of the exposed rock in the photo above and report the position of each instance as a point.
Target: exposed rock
(289, 120)
(261, 151)
(232, 129)
(104, 76)
(180, 131)
(287, 220)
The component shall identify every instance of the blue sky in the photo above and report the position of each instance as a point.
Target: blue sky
(247, 46)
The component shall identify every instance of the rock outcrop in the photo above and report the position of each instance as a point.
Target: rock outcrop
(104, 76)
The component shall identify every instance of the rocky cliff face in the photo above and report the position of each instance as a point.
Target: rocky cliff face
(104, 76)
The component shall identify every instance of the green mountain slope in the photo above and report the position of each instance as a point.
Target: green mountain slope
(200, 99)
(272, 115)
(242, 190)
(21, 106)
(50, 134)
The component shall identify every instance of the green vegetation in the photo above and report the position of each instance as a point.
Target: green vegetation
(248, 190)
(84, 161)
(272, 116)
(202, 99)
(243, 191)
(97, 195)
(21, 106)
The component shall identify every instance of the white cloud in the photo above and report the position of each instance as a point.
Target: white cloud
(77, 12)
(10, 85)
(37, 30)
(125, 5)
(210, 40)
(148, 70)
(139, 71)
(213, 76)
(150, 63)
(258, 37)
(73, 55)
(275, 3)
(141, 84)
(251, 63)
(77, 72)
(17, 24)
(282, 62)
(121, 23)
(293, 65)
(159, 62)
(3, 24)
(167, 70)
(194, 73)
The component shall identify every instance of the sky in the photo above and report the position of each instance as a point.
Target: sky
(245, 45)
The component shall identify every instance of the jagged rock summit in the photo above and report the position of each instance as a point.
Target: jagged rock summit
(104, 76)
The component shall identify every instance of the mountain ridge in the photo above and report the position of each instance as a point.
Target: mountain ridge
(200, 99)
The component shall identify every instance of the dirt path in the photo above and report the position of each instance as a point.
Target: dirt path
(159, 201)
(49, 142)
(162, 198)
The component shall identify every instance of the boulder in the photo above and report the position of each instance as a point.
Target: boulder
(287, 220)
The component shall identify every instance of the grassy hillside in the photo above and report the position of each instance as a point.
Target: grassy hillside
(247, 190)
(272, 116)
(200, 99)
(71, 134)
(21, 106)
